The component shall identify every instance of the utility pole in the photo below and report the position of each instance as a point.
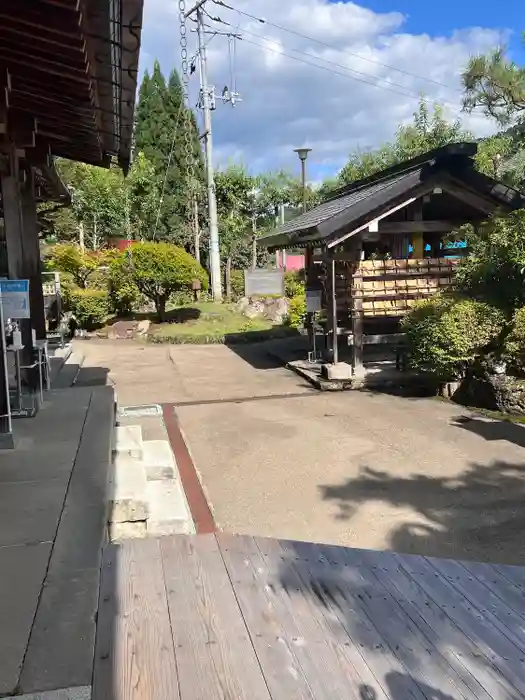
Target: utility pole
(215, 262)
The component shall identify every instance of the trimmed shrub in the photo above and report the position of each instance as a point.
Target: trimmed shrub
(158, 270)
(89, 306)
(445, 335)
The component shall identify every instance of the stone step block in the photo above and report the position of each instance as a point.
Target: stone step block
(127, 439)
(158, 459)
(128, 490)
(168, 510)
(128, 531)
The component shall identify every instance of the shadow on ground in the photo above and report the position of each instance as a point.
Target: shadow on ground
(491, 429)
(480, 514)
(267, 349)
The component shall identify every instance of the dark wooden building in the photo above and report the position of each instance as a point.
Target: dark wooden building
(68, 78)
(380, 244)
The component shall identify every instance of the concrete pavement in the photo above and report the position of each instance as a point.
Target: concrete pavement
(366, 470)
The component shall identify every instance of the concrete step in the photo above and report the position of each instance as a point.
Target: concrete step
(128, 489)
(168, 510)
(127, 440)
(158, 460)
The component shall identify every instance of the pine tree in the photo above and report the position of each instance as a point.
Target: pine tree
(161, 125)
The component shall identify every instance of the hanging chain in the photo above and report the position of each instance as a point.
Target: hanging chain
(188, 145)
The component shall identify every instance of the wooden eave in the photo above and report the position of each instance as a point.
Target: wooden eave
(346, 214)
(66, 68)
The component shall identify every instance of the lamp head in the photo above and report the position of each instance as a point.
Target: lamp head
(302, 152)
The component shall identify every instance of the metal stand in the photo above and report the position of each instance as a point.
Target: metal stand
(19, 411)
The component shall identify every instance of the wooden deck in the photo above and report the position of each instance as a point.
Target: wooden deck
(232, 617)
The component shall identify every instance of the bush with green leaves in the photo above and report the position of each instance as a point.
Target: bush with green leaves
(514, 344)
(158, 270)
(294, 283)
(89, 306)
(296, 311)
(494, 271)
(446, 334)
(237, 284)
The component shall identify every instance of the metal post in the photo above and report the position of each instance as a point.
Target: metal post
(215, 262)
(303, 181)
(6, 435)
(334, 317)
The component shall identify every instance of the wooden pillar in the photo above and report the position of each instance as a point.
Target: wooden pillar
(357, 311)
(16, 253)
(6, 435)
(32, 267)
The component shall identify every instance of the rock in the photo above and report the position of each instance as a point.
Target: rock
(495, 392)
(143, 327)
(122, 329)
(274, 309)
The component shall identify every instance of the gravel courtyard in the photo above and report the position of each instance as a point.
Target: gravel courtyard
(277, 458)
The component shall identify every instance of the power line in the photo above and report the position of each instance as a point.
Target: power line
(331, 46)
(350, 77)
(333, 63)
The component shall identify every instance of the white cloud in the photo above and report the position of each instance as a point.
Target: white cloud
(287, 103)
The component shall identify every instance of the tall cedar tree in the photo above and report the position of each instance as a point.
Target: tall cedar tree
(161, 125)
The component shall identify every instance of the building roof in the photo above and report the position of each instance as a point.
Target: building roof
(71, 67)
(352, 206)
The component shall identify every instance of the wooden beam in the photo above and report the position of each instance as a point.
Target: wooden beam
(471, 198)
(53, 66)
(395, 227)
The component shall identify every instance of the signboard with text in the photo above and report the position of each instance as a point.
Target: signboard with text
(263, 283)
(14, 295)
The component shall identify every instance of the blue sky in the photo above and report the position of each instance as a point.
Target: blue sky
(345, 82)
(445, 16)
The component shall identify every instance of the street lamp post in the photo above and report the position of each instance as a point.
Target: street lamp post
(303, 155)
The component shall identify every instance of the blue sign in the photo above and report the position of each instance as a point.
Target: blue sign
(14, 295)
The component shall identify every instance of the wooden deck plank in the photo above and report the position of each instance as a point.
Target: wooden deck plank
(491, 606)
(458, 649)
(421, 658)
(214, 652)
(500, 650)
(278, 645)
(337, 600)
(422, 653)
(134, 656)
(516, 574)
(328, 672)
(277, 652)
(497, 583)
(312, 624)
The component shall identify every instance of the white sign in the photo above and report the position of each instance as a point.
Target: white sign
(14, 295)
(313, 300)
(263, 283)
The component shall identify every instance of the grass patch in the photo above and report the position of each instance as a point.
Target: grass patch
(207, 322)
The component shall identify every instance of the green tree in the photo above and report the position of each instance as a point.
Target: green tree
(166, 132)
(158, 270)
(497, 85)
(142, 199)
(80, 265)
(427, 131)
